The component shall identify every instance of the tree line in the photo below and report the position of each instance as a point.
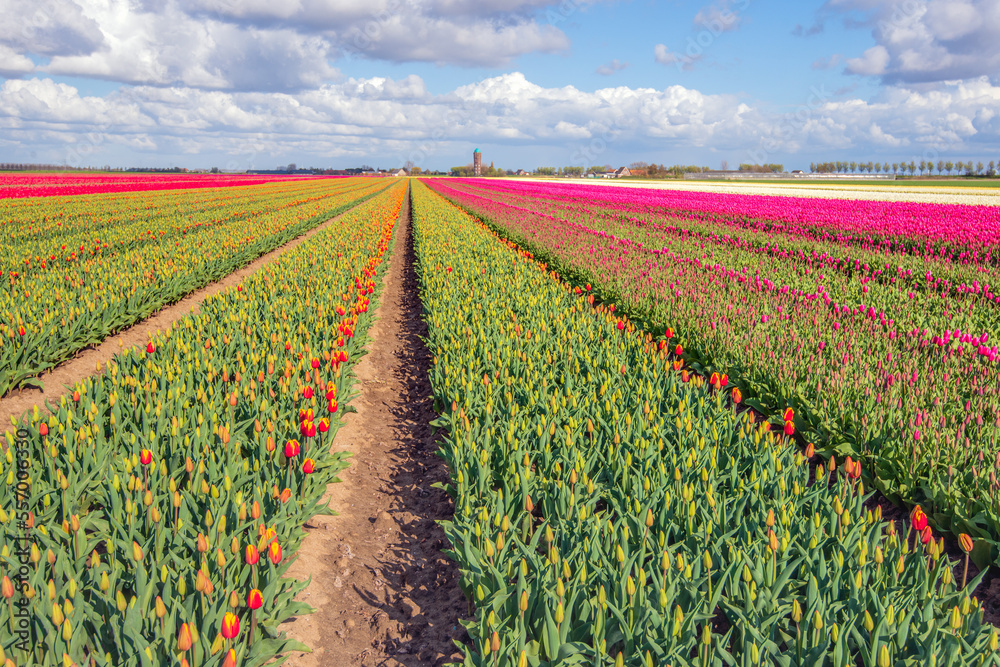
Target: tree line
(924, 167)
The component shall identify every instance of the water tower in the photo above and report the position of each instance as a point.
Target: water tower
(477, 162)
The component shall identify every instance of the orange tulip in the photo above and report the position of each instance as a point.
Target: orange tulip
(230, 659)
(184, 638)
(737, 395)
(965, 542)
(43, 429)
(7, 587)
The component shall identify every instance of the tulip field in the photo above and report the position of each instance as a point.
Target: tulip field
(148, 519)
(613, 509)
(877, 322)
(664, 416)
(76, 270)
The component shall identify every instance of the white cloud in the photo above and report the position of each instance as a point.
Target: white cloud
(926, 41)
(610, 68)
(359, 118)
(269, 45)
(872, 63)
(47, 27)
(13, 63)
(664, 56)
(722, 16)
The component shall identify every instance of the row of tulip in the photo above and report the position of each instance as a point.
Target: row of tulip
(612, 506)
(907, 382)
(64, 184)
(74, 273)
(149, 519)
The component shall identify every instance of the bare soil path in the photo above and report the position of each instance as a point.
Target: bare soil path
(385, 594)
(84, 364)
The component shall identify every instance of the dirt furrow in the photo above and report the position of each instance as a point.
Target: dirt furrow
(385, 594)
(84, 364)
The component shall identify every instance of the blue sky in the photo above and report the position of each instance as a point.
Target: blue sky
(257, 83)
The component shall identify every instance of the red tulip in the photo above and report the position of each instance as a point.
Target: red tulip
(288, 346)
(308, 429)
(291, 449)
(308, 466)
(926, 535)
(230, 625)
(315, 362)
(679, 350)
(21, 332)
(332, 407)
(274, 552)
(146, 457)
(789, 428)
(788, 415)
(621, 325)
(252, 555)
(150, 349)
(670, 333)
(43, 429)
(307, 392)
(324, 425)
(918, 520)
(255, 600)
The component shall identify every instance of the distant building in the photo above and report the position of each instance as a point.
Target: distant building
(401, 172)
(622, 172)
(477, 162)
(522, 172)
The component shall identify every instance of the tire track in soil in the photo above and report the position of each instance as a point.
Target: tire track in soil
(61, 379)
(384, 592)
